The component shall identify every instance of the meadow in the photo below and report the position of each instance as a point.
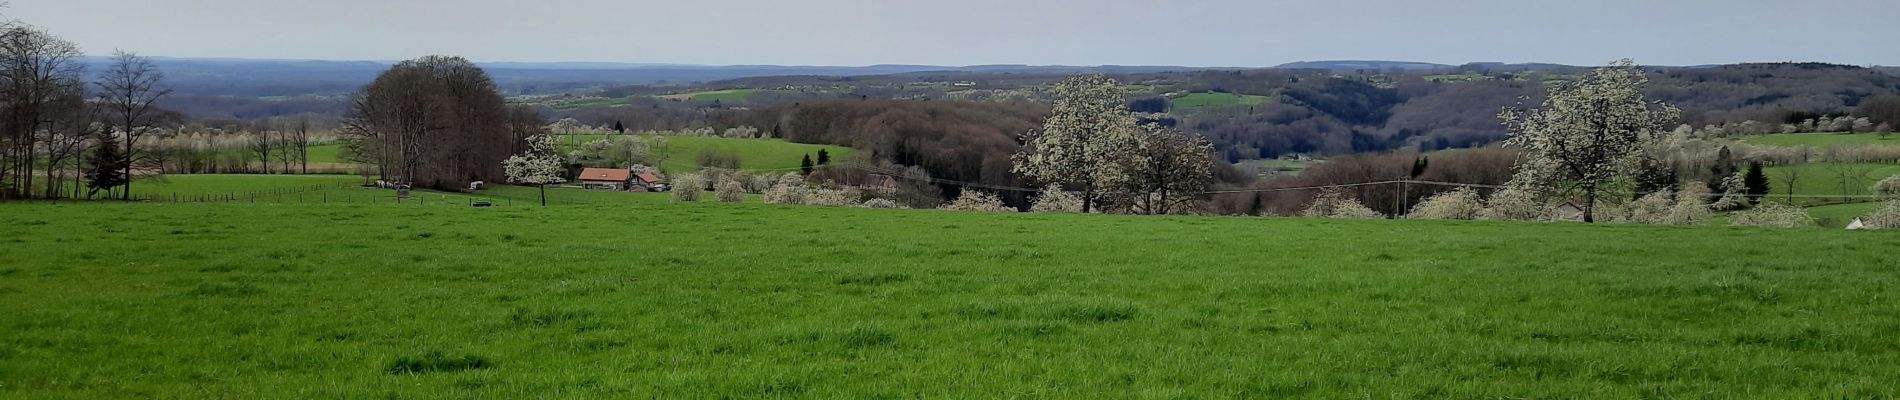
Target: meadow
(651, 299)
(1210, 99)
(1824, 179)
(1822, 139)
(754, 154)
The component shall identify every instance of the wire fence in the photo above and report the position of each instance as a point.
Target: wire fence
(339, 193)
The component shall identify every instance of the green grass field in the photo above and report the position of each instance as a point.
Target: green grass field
(195, 185)
(326, 153)
(1824, 179)
(1199, 100)
(754, 154)
(1822, 139)
(649, 299)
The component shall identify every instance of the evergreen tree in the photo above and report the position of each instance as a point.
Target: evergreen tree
(824, 158)
(618, 128)
(805, 167)
(107, 168)
(1756, 182)
(1418, 166)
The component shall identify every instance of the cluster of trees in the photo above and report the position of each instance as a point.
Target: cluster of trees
(952, 141)
(1092, 144)
(61, 135)
(437, 122)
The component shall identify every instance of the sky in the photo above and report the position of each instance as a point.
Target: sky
(1234, 33)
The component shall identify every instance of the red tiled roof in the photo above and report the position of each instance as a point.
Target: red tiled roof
(646, 177)
(604, 175)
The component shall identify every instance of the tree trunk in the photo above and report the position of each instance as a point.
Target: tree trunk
(1088, 196)
(544, 195)
(1589, 208)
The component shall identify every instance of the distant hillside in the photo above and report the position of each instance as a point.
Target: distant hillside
(1362, 65)
(263, 77)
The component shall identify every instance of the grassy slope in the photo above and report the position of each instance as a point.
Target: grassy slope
(1839, 215)
(1195, 100)
(710, 300)
(754, 154)
(193, 185)
(1822, 139)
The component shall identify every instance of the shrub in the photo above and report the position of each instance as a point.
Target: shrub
(1653, 208)
(730, 191)
(1515, 205)
(1886, 217)
(834, 197)
(972, 200)
(785, 194)
(1335, 204)
(1772, 216)
(880, 203)
(1691, 207)
(1888, 189)
(686, 187)
(1053, 199)
(1461, 203)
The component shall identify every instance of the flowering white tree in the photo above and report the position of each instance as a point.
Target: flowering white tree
(537, 165)
(1162, 169)
(1078, 142)
(1588, 132)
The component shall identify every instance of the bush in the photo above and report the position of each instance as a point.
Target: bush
(1691, 207)
(1335, 204)
(730, 191)
(785, 194)
(1888, 189)
(1461, 203)
(1515, 205)
(1053, 199)
(1653, 208)
(1887, 217)
(972, 200)
(1772, 216)
(846, 197)
(686, 187)
(880, 203)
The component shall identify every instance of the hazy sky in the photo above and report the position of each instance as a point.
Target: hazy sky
(966, 32)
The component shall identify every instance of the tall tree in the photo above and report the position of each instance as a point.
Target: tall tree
(106, 168)
(1587, 131)
(38, 74)
(1755, 182)
(1077, 142)
(435, 121)
(538, 166)
(300, 142)
(1164, 170)
(128, 90)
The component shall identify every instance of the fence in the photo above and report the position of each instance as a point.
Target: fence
(341, 193)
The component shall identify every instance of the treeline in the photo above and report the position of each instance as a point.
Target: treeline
(956, 141)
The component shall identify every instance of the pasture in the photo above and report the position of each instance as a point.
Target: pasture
(651, 299)
(1828, 179)
(1822, 139)
(1211, 99)
(754, 154)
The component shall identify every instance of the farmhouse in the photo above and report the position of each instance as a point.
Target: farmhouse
(644, 182)
(605, 178)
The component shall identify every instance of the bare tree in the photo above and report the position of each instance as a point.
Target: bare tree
(300, 141)
(261, 144)
(1802, 155)
(127, 90)
(38, 74)
(435, 121)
